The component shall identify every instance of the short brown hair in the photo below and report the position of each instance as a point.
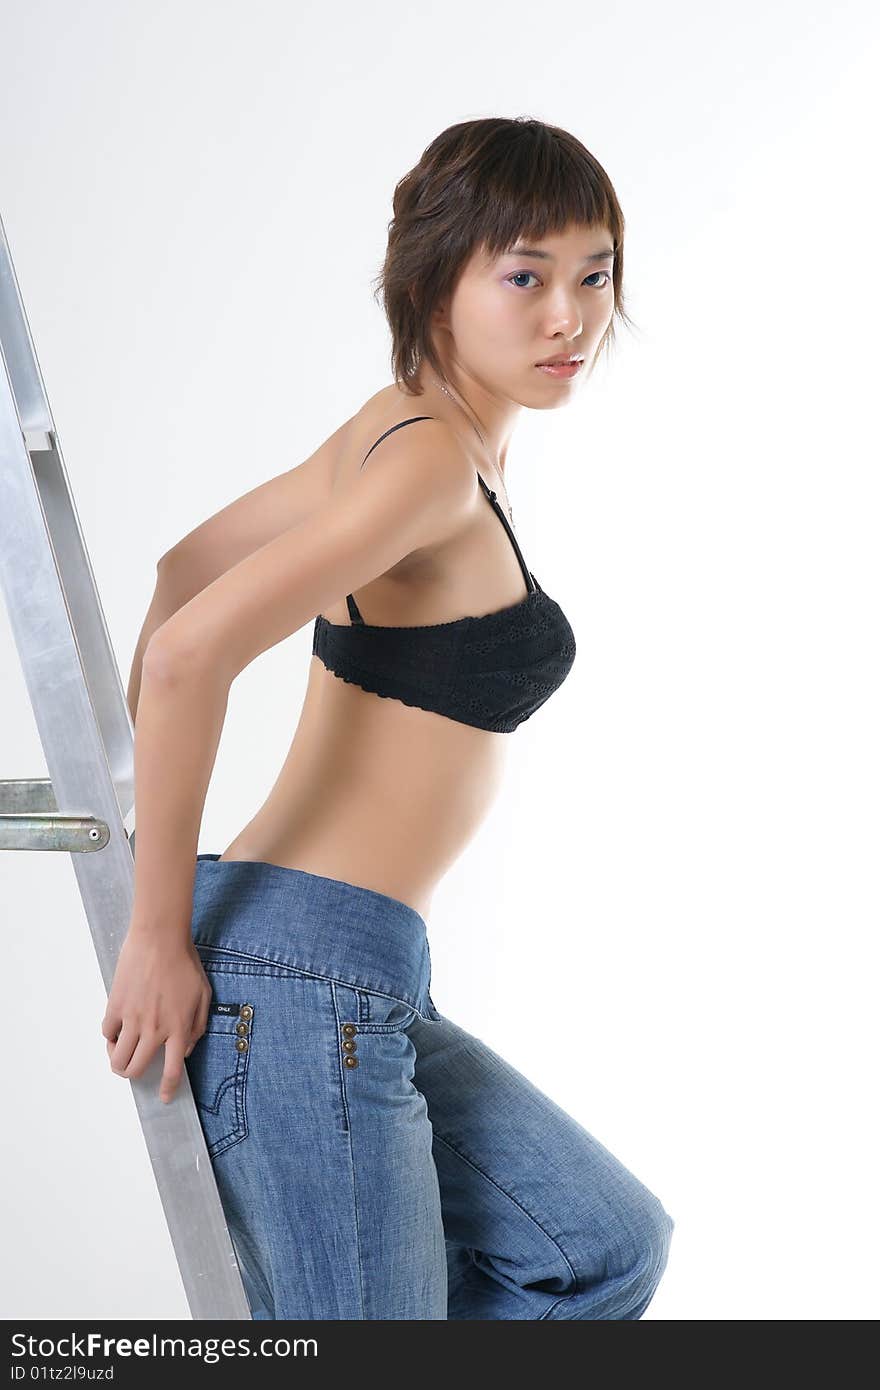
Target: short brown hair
(485, 182)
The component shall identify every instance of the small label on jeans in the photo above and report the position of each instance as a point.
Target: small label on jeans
(225, 1008)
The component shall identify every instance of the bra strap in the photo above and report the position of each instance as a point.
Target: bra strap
(353, 611)
(531, 582)
(400, 424)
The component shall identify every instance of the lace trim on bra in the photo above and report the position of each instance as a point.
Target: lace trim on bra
(511, 608)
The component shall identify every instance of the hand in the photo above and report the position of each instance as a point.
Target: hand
(160, 994)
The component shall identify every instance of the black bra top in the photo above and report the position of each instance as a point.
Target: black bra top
(491, 671)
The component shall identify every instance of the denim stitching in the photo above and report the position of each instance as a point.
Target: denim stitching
(553, 1306)
(214, 1109)
(339, 1067)
(237, 1080)
(245, 1061)
(363, 1011)
(299, 973)
(357, 1228)
(357, 1224)
(236, 963)
(513, 1199)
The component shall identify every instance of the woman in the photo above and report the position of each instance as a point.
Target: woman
(373, 1159)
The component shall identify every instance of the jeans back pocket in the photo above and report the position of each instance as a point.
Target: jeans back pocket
(218, 1070)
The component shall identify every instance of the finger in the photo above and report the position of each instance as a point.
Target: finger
(147, 1047)
(111, 1024)
(125, 1048)
(174, 1053)
(200, 1022)
(204, 1011)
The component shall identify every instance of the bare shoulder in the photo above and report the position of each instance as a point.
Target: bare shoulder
(409, 498)
(427, 453)
(257, 517)
(393, 434)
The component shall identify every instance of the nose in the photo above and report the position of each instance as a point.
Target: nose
(565, 318)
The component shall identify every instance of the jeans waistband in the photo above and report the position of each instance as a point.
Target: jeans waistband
(321, 926)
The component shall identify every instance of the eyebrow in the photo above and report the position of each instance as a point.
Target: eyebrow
(546, 256)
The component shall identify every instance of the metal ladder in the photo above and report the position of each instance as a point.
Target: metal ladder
(85, 728)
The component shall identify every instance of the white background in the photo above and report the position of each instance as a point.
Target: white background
(669, 919)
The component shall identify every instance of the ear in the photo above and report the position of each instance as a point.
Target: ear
(439, 314)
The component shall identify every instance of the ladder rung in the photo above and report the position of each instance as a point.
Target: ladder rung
(71, 834)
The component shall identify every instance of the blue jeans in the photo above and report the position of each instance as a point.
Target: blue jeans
(373, 1159)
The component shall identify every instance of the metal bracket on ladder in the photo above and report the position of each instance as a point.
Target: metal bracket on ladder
(85, 728)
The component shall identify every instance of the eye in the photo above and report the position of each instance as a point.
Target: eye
(518, 273)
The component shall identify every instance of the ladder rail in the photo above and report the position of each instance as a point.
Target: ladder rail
(84, 724)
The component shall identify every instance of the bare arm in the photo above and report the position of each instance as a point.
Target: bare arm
(164, 604)
(231, 534)
(399, 504)
(250, 521)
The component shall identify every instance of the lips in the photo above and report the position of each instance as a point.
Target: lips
(561, 361)
(565, 370)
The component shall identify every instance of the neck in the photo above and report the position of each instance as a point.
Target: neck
(490, 419)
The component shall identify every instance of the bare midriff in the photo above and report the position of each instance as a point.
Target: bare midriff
(374, 792)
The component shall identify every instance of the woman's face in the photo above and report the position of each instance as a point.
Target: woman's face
(543, 298)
